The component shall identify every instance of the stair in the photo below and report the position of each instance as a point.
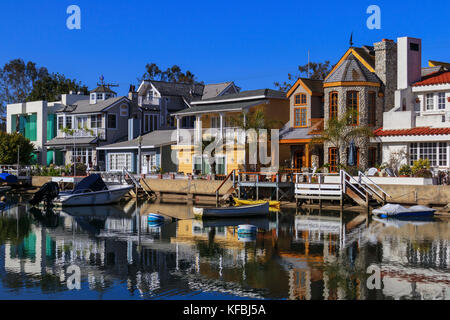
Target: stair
(228, 194)
(355, 197)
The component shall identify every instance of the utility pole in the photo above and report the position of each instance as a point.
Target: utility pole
(308, 63)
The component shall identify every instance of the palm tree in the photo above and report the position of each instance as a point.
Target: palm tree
(339, 133)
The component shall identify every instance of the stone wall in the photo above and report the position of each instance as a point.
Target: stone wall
(423, 195)
(386, 70)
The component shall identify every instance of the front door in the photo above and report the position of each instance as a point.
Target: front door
(298, 159)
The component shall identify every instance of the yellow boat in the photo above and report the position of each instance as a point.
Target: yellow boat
(272, 204)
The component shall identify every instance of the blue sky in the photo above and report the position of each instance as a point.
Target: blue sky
(253, 43)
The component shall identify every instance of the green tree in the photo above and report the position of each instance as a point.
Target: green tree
(318, 71)
(10, 143)
(172, 74)
(17, 79)
(50, 87)
(338, 133)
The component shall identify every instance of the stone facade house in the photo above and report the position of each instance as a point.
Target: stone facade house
(364, 80)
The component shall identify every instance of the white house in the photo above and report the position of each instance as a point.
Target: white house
(418, 127)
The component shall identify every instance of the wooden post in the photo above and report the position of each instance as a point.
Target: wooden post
(278, 190)
(257, 188)
(307, 156)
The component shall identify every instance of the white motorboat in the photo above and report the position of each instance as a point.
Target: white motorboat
(93, 191)
(397, 211)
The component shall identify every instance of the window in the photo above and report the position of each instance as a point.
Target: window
(69, 122)
(332, 159)
(333, 105)
(82, 122)
(82, 155)
(435, 152)
(300, 99)
(96, 121)
(99, 96)
(150, 122)
(353, 107)
(441, 100)
(429, 101)
(300, 117)
(118, 161)
(414, 46)
(215, 122)
(149, 162)
(372, 109)
(112, 121)
(60, 123)
(124, 110)
(150, 94)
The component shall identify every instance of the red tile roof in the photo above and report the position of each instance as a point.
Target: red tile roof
(420, 131)
(434, 78)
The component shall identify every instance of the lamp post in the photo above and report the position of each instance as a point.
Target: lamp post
(139, 170)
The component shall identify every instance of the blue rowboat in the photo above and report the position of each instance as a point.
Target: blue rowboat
(398, 211)
(233, 212)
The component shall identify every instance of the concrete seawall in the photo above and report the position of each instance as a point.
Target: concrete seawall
(188, 187)
(424, 195)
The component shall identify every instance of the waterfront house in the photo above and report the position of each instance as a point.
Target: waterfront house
(214, 117)
(36, 120)
(363, 81)
(155, 150)
(160, 99)
(305, 122)
(100, 119)
(419, 125)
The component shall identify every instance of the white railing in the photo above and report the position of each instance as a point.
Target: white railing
(363, 177)
(145, 101)
(94, 132)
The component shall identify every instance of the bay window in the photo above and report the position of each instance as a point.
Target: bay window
(435, 152)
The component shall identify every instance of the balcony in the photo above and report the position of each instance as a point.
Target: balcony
(89, 133)
(144, 101)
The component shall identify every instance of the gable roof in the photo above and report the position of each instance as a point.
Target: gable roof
(352, 69)
(364, 55)
(214, 90)
(84, 106)
(222, 107)
(435, 78)
(310, 85)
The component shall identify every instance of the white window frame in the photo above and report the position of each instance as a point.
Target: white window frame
(153, 162)
(441, 100)
(113, 158)
(421, 147)
(429, 101)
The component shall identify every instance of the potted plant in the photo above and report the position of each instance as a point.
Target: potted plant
(405, 171)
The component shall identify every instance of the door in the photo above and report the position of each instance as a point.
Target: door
(298, 159)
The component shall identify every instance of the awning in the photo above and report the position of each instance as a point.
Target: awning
(62, 142)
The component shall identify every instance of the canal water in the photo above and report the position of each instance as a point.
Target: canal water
(309, 254)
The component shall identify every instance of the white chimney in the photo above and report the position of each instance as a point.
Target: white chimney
(409, 61)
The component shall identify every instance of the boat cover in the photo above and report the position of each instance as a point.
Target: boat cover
(94, 182)
(391, 209)
(8, 177)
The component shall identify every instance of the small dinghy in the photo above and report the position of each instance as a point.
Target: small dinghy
(241, 211)
(398, 211)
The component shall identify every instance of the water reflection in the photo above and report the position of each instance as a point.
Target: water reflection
(304, 255)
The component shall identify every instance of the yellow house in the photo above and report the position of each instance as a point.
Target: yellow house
(214, 119)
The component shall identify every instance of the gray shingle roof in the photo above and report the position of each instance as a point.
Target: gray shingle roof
(84, 106)
(295, 133)
(213, 90)
(218, 107)
(267, 93)
(178, 89)
(70, 141)
(153, 139)
(351, 69)
(103, 88)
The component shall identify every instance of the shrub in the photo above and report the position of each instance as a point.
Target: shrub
(405, 170)
(421, 164)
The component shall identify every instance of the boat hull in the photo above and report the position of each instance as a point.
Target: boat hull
(110, 196)
(240, 202)
(233, 212)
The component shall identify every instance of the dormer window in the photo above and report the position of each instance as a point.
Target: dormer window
(99, 96)
(300, 99)
(150, 94)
